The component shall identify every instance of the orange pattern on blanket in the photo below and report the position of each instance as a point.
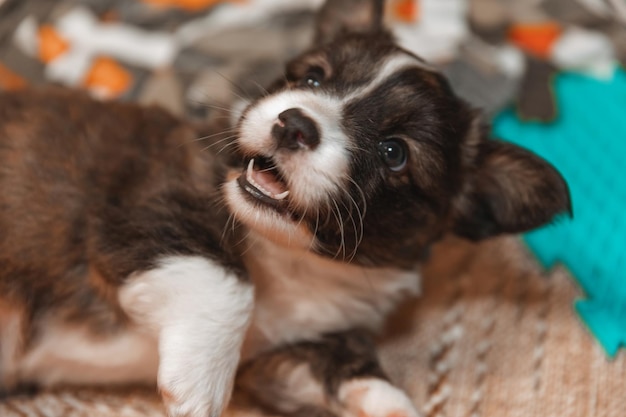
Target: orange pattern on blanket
(51, 43)
(107, 78)
(407, 11)
(535, 38)
(189, 5)
(9, 80)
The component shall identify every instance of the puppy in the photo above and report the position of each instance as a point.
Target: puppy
(129, 253)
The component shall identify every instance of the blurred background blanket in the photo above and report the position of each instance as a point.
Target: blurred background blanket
(493, 334)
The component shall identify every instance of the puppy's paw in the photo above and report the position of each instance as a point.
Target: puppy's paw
(195, 393)
(178, 405)
(196, 371)
(374, 398)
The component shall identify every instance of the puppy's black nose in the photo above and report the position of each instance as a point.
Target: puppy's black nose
(295, 130)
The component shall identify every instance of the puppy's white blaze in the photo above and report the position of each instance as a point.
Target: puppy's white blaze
(311, 175)
(393, 64)
(200, 313)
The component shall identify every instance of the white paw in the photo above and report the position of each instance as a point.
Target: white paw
(194, 403)
(374, 398)
(197, 385)
(191, 404)
(189, 396)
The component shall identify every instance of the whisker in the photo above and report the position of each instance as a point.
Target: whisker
(223, 132)
(355, 147)
(216, 107)
(237, 87)
(263, 89)
(269, 168)
(223, 117)
(210, 105)
(233, 225)
(302, 217)
(220, 141)
(342, 245)
(242, 240)
(228, 130)
(317, 224)
(235, 144)
(356, 230)
(231, 217)
(361, 213)
(360, 190)
(206, 148)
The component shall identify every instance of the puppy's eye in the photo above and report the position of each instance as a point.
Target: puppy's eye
(313, 77)
(394, 153)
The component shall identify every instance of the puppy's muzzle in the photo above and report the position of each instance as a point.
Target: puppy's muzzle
(295, 130)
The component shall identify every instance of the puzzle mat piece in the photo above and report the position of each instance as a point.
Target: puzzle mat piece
(586, 143)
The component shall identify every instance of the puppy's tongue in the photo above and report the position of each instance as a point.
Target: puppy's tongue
(268, 181)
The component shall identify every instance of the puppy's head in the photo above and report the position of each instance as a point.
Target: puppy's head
(362, 152)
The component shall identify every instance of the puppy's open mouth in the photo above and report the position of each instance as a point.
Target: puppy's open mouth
(262, 181)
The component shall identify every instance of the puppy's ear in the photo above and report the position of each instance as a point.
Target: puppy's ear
(507, 190)
(337, 17)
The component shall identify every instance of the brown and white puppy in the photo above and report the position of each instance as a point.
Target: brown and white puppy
(129, 254)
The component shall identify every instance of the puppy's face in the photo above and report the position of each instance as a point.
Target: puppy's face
(362, 152)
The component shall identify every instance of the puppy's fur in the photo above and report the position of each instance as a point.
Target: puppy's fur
(128, 253)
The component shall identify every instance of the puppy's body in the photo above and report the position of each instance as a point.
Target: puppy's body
(68, 305)
(149, 256)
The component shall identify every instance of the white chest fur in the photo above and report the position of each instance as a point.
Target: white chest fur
(300, 295)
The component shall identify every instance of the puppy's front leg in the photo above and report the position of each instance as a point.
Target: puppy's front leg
(337, 376)
(199, 312)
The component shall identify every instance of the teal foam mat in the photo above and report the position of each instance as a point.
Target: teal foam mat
(587, 143)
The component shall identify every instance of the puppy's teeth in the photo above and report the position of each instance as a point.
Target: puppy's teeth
(250, 169)
(250, 178)
(281, 196)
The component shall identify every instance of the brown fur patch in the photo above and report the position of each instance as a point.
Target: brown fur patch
(92, 192)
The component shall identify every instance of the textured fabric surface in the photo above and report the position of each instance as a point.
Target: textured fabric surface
(491, 336)
(494, 336)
